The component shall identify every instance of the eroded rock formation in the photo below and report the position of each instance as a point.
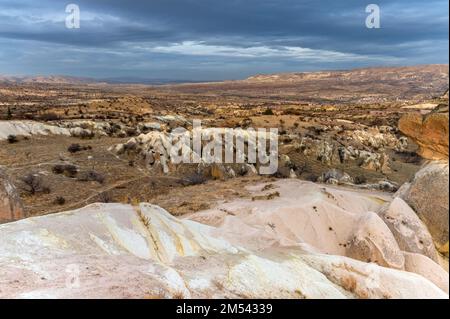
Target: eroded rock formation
(10, 204)
(428, 192)
(428, 195)
(429, 131)
(121, 251)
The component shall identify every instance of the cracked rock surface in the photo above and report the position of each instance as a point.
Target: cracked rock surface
(290, 245)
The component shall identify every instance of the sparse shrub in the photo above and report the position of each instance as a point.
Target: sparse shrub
(58, 169)
(113, 128)
(12, 139)
(194, 179)
(292, 111)
(97, 177)
(311, 177)
(34, 184)
(74, 148)
(242, 170)
(268, 111)
(86, 134)
(317, 130)
(360, 179)
(8, 114)
(60, 200)
(49, 117)
(131, 131)
(66, 169)
(105, 198)
(91, 176)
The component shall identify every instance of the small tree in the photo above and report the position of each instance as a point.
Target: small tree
(73, 148)
(268, 112)
(34, 184)
(12, 139)
(8, 114)
(60, 200)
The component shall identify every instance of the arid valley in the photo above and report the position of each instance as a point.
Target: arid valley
(357, 207)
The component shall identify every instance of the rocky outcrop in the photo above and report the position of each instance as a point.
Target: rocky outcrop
(428, 195)
(10, 204)
(376, 138)
(425, 267)
(28, 128)
(445, 95)
(429, 131)
(330, 219)
(164, 152)
(372, 241)
(409, 231)
(120, 251)
(80, 129)
(428, 192)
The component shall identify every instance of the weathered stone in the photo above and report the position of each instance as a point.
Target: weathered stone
(218, 171)
(120, 251)
(428, 195)
(409, 231)
(372, 241)
(334, 176)
(430, 132)
(10, 204)
(285, 167)
(427, 268)
(29, 128)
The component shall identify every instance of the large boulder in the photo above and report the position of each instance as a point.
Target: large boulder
(427, 268)
(334, 176)
(10, 204)
(428, 195)
(430, 132)
(409, 231)
(29, 128)
(373, 242)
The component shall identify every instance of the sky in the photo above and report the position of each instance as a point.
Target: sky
(200, 40)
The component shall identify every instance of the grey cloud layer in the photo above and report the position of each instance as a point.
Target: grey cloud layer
(212, 39)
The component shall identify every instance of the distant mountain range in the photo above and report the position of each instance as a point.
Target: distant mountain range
(375, 74)
(52, 79)
(61, 79)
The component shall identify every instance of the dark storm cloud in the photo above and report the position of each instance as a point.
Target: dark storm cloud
(214, 39)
